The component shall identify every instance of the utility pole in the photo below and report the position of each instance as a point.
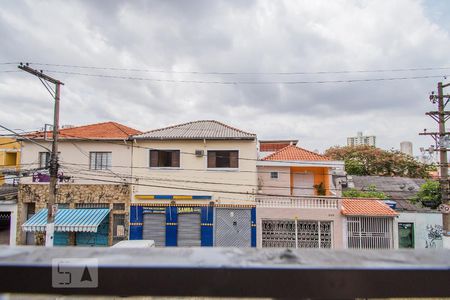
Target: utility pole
(51, 208)
(441, 116)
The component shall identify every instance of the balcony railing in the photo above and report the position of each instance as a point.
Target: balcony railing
(226, 272)
(298, 202)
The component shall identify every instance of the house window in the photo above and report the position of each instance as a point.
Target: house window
(164, 158)
(44, 159)
(274, 175)
(223, 159)
(100, 160)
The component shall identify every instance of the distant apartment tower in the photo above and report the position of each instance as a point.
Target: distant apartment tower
(361, 139)
(406, 147)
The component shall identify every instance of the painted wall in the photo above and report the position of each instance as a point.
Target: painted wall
(9, 155)
(420, 221)
(279, 186)
(74, 160)
(333, 215)
(285, 183)
(193, 177)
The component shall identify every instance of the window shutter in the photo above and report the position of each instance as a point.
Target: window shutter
(234, 159)
(175, 159)
(92, 161)
(211, 159)
(153, 158)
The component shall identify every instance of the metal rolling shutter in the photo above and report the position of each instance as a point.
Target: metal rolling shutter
(233, 227)
(155, 229)
(189, 230)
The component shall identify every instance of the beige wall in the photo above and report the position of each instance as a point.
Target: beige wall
(333, 215)
(280, 186)
(193, 177)
(74, 160)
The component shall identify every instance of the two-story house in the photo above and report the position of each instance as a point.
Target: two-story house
(194, 186)
(297, 199)
(95, 167)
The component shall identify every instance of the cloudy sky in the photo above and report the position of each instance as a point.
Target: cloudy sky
(231, 61)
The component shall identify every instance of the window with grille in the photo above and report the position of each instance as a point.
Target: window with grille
(100, 160)
(296, 234)
(119, 206)
(164, 158)
(274, 175)
(44, 159)
(92, 205)
(223, 159)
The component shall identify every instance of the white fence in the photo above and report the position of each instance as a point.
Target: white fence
(298, 202)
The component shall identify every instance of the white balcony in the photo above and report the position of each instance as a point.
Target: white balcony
(299, 202)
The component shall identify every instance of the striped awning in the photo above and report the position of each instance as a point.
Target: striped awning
(68, 220)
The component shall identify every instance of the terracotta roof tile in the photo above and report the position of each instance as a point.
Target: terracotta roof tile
(293, 153)
(106, 130)
(366, 207)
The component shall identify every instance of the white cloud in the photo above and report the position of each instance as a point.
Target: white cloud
(241, 36)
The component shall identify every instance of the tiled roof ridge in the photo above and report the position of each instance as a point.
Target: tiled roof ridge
(293, 146)
(197, 121)
(63, 130)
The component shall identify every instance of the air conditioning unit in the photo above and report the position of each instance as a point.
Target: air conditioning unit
(199, 153)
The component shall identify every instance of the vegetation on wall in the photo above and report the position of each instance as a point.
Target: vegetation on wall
(371, 161)
(429, 194)
(370, 192)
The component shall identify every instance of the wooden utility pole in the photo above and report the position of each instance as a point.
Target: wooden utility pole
(51, 207)
(441, 116)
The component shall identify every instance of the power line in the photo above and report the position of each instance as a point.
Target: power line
(247, 82)
(243, 73)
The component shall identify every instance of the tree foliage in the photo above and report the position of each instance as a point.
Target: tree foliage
(367, 160)
(371, 192)
(429, 194)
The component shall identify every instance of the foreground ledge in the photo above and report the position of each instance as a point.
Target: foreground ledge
(222, 272)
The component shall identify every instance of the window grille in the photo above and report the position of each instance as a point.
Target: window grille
(297, 234)
(44, 159)
(369, 233)
(274, 175)
(100, 160)
(118, 206)
(92, 205)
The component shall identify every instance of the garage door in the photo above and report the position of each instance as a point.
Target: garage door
(233, 227)
(189, 230)
(155, 229)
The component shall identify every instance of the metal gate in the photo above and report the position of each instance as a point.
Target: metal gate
(296, 234)
(189, 230)
(155, 228)
(233, 227)
(369, 233)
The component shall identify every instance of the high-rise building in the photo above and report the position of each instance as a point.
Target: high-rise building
(406, 147)
(361, 139)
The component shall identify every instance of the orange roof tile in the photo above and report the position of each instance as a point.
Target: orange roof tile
(292, 153)
(366, 207)
(106, 130)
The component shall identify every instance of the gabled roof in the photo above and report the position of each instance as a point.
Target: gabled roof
(294, 153)
(366, 207)
(197, 130)
(101, 131)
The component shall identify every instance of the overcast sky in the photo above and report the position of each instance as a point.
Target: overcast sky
(179, 41)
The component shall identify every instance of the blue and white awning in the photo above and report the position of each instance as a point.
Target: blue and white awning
(68, 220)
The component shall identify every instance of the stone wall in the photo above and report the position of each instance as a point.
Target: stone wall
(71, 195)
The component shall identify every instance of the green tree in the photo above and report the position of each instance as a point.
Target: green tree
(429, 194)
(367, 160)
